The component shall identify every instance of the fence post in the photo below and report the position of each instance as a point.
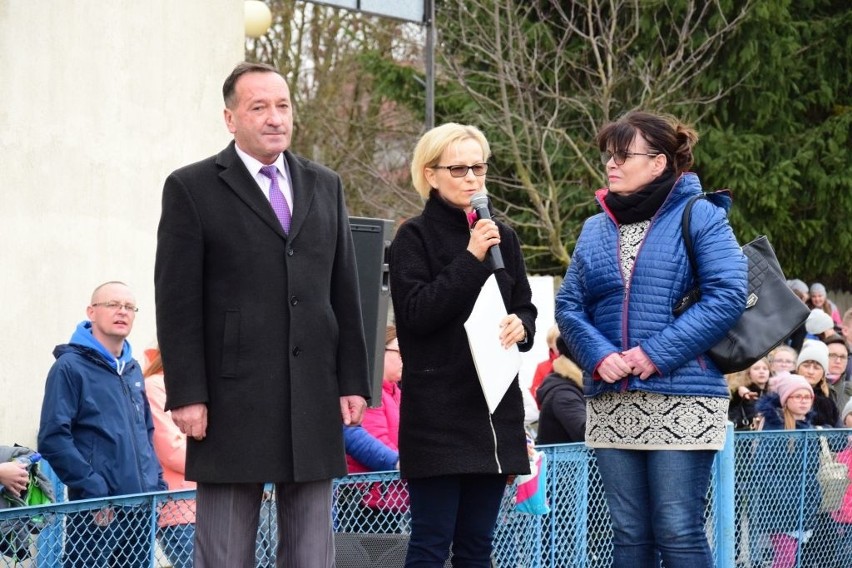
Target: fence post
(726, 533)
(49, 541)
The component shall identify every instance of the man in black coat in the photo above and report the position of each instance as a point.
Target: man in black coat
(259, 324)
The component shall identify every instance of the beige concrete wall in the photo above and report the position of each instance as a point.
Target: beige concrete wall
(99, 101)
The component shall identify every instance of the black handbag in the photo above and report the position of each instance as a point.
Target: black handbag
(773, 312)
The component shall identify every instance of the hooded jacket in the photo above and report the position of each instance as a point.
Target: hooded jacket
(96, 428)
(601, 311)
(562, 419)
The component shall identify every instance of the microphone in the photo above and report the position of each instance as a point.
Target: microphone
(479, 202)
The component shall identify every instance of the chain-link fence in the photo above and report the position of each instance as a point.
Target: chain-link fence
(774, 497)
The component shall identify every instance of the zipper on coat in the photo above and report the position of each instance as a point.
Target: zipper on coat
(628, 279)
(494, 436)
(126, 389)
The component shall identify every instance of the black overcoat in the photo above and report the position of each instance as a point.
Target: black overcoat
(445, 427)
(263, 327)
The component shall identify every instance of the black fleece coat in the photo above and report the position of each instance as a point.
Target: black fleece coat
(445, 427)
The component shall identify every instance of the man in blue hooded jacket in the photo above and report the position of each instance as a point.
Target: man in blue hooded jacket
(96, 431)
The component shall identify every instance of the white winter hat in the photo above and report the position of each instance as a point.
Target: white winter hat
(818, 322)
(814, 351)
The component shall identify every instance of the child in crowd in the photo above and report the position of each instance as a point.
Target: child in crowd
(782, 359)
(545, 368)
(747, 387)
(817, 299)
(776, 509)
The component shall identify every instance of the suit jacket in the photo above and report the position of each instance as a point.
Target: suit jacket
(263, 327)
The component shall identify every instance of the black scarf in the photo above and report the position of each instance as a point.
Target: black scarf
(643, 203)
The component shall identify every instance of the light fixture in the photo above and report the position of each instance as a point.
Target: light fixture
(258, 18)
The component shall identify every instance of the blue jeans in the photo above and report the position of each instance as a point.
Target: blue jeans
(453, 509)
(176, 542)
(123, 542)
(656, 501)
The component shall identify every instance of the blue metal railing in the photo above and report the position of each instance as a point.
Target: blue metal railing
(764, 484)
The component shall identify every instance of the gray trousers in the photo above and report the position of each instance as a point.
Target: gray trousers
(226, 520)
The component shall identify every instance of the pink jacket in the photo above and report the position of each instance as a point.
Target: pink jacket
(844, 513)
(382, 423)
(170, 447)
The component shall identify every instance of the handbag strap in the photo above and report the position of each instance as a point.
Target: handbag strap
(684, 227)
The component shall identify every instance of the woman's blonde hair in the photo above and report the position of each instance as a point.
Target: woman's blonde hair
(433, 143)
(789, 420)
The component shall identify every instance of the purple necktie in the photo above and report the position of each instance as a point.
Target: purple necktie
(276, 198)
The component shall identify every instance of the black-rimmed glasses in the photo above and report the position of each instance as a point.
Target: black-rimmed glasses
(620, 157)
(461, 171)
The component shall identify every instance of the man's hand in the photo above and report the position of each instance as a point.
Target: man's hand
(103, 517)
(192, 420)
(352, 409)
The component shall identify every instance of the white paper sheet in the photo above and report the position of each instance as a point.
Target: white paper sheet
(496, 367)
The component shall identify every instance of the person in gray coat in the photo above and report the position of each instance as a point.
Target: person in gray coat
(259, 323)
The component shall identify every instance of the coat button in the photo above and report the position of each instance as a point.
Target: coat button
(290, 252)
(294, 300)
(297, 351)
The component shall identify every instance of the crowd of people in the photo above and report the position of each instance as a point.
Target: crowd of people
(261, 373)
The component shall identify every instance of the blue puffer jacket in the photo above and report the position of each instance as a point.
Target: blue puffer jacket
(597, 315)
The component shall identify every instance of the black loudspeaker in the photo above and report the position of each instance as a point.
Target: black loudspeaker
(372, 239)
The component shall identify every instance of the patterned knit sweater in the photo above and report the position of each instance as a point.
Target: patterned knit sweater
(650, 421)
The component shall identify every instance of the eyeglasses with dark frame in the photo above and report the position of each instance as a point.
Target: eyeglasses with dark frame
(116, 306)
(620, 157)
(460, 171)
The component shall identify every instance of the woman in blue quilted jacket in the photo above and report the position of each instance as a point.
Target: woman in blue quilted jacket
(657, 405)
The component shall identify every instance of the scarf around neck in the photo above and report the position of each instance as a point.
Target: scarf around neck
(642, 204)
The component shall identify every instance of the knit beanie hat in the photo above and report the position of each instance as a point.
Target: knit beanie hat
(817, 288)
(818, 322)
(847, 410)
(814, 351)
(787, 383)
(797, 285)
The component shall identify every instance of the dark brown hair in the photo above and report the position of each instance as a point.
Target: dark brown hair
(230, 85)
(663, 133)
